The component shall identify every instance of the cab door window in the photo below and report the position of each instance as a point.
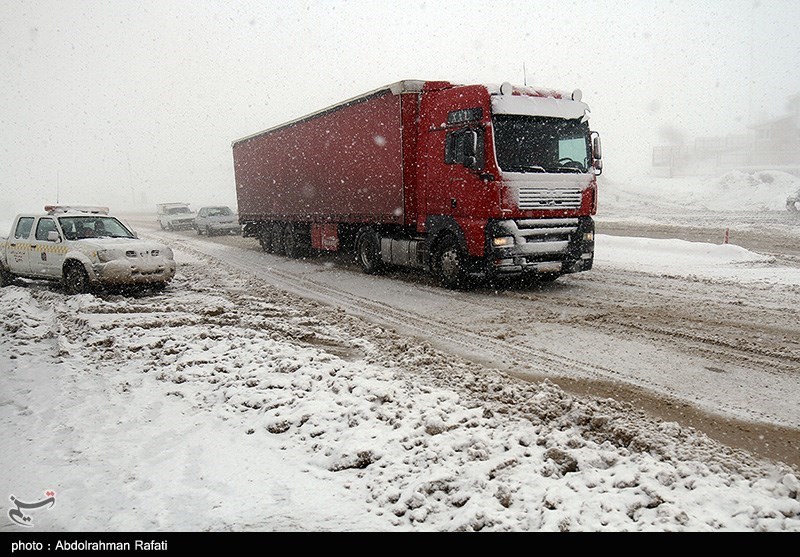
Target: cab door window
(44, 227)
(465, 147)
(23, 229)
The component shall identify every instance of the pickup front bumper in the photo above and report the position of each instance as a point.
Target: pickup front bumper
(123, 271)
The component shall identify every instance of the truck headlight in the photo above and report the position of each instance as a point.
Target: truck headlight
(588, 236)
(503, 241)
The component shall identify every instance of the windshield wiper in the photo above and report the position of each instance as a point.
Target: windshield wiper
(567, 169)
(521, 168)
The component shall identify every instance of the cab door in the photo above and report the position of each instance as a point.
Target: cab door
(453, 125)
(47, 254)
(19, 245)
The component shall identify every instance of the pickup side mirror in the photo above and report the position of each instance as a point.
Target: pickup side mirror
(53, 236)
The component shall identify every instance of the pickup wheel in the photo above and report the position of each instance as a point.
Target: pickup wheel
(368, 253)
(6, 278)
(76, 280)
(448, 263)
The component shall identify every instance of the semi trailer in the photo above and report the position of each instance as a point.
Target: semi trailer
(462, 181)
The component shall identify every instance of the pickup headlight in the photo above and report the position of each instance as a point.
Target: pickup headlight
(106, 255)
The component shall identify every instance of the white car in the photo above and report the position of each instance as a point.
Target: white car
(217, 219)
(83, 247)
(175, 216)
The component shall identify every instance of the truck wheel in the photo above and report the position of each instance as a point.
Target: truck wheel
(791, 205)
(291, 243)
(265, 238)
(277, 239)
(448, 264)
(368, 252)
(76, 281)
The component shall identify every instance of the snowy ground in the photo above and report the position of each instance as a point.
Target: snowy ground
(227, 403)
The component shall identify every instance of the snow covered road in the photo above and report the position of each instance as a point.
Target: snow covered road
(716, 346)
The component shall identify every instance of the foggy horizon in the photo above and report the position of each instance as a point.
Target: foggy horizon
(122, 104)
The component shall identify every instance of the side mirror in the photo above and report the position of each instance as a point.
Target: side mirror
(597, 149)
(471, 147)
(597, 153)
(53, 236)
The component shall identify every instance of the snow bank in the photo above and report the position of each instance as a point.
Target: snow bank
(766, 190)
(223, 403)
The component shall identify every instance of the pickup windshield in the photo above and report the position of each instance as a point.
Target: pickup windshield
(78, 228)
(178, 211)
(541, 144)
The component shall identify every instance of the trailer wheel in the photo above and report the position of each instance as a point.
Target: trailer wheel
(448, 263)
(368, 252)
(277, 239)
(291, 241)
(76, 280)
(265, 238)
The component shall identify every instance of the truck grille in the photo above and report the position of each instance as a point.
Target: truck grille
(532, 197)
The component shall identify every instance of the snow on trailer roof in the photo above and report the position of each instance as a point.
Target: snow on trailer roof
(532, 101)
(405, 86)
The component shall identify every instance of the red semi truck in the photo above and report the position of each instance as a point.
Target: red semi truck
(462, 181)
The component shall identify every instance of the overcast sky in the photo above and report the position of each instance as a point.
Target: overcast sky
(109, 102)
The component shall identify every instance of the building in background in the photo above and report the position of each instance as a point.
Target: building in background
(772, 144)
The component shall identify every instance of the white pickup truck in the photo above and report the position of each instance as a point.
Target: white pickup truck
(83, 247)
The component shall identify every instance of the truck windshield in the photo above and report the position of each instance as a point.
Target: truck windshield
(541, 144)
(78, 228)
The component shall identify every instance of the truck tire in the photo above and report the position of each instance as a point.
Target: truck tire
(265, 238)
(368, 253)
(448, 263)
(791, 204)
(76, 280)
(291, 242)
(277, 239)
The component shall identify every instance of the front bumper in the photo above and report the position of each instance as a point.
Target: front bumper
(121, 271)
(181, 224)
(226, 228)
(546, 246)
